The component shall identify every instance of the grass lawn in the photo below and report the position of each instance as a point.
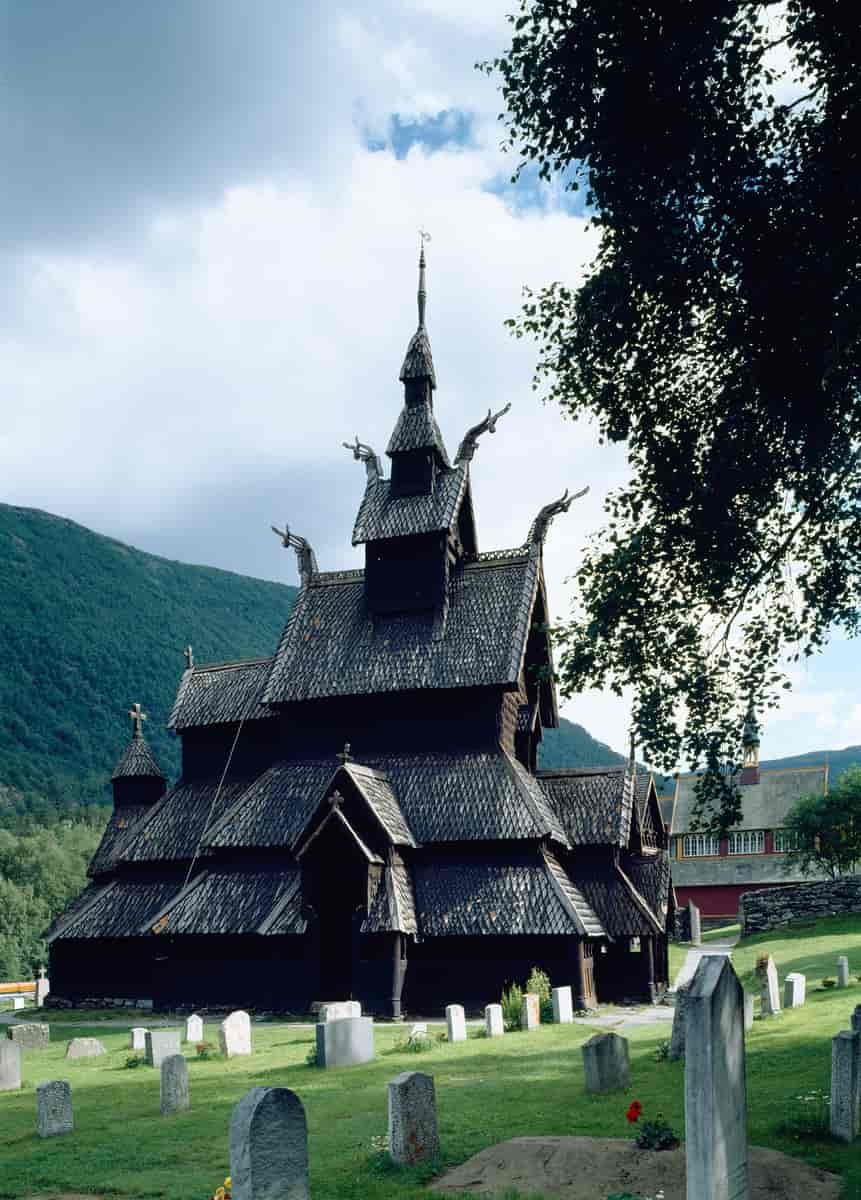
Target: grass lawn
(486, 1092)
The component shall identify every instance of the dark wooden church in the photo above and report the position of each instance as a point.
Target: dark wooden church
(361, 815)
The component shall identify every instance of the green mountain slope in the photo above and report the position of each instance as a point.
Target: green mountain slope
(571, 746)
(838, 760)
(87, 627)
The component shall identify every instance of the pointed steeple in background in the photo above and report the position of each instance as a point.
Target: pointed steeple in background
(417, 373)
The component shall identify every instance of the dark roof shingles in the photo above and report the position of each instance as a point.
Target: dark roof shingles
(122, 909)
(234, 902)
(137, 762)
(417, 429)
(221, 694)
(176, 826)
(594, 806)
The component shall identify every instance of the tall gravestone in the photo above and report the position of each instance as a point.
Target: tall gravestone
(494, 1023)
(843, 971)
(234, 1034)
(43, 987)
(696, 924)
(269, 1146)
(715, 1088)
(194, 1028)
(455, 1023)
(413, 1133)
(845, 1084)
(770, 987)
(10, 1066)
(794, 989)
(159, 1044)
(173, 1084)
(563, 1006)
(137, 1038)
(606, 1063)
(748, 1012)
(54, 1108)
(530, 1011)
(677, 1036)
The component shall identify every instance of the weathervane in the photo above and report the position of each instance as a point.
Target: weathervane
(138, 717)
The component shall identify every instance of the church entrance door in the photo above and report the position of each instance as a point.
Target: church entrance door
(336, 882)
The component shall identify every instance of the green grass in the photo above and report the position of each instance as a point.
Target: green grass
(487, 1091)
(678, 952)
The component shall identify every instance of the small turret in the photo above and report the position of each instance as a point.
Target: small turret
(137, 778)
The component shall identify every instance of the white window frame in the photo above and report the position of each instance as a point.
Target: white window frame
(700, 845)
(746, 841)
(785, 839)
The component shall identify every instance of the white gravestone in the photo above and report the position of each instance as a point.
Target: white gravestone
(339, 1009)
(269, 1146)
(770, 995)
(10, 1066)
(696, 924)
(43, 987)
(748, 1012)
(843, 971)
(455, 1021)
(413, 1133)
(794, 989)
(18, 1002)
(194, 1029)
(137, 1038)
(159, 1044)
(845, 1082)
(715, 1089)
(84, 1047)
(494, 1025)
(606, 1063)
(173, 1084)
(418, 1033)
(347, 1042)
(54, 1108)
(563, 1006)
(530, 1011)
(234, 1034)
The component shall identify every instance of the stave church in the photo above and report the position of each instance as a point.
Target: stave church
(361, 815)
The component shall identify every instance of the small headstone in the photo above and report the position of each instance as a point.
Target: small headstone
(856, 1019)
(843, 971)
(794, 988)
(418, 1033)
(770, 994)
(605, 1059)
(530, 1011)
(563, 1006)
(677, 1036)
(748, 1011)
(715, 1089)
(18, 1002)
(696, 924)
(30, 1036)
(54, 1108)
(845, 1082)
(194, 1028)
(174, 1084)
(338, 1009)
(455, 1021)
(43, 987)
(10, 1066)
(159, 1044)
(413, 1133)
(84, 1047)
(269, 1146)
(345, 1043)
(137, 1038)
(493, 1021)
(234, 1034)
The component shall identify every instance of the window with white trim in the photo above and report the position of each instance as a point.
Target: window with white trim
(746, 841)
(785, 839)
(700, 845)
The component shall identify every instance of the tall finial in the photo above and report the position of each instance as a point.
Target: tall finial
(344, 756)
(138, 717)
(423, 294)
(189, 657)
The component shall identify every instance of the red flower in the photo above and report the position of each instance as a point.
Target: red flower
(634, 1111)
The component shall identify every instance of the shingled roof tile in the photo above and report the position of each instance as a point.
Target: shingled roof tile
(234, 901)
(221, 693)
(119, 829)
(594, 805)
(119, 911)
(393, 906)
(382, 515)
(137, 762)
(416, 429)
(176, 825)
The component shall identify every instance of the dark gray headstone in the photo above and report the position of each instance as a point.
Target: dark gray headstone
(54, 1108)
(174, 1084)
(856, 1019)
(159, 1044)
(413, 1133)
(677, 1036)
(605, 1060)
(10, 1066)
(84, 1047)
(845, 1054)
(269, 1146)
(346, 1042)
(30, 1036)
(715, 1089)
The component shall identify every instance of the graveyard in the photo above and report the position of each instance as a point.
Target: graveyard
(488, 1090)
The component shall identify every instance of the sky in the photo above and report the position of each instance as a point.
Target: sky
(209, 227)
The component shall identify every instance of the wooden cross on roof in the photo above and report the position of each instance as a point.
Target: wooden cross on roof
(138, 717)
(344, 755)
(189, 657)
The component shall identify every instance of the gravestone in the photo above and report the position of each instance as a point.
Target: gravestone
(418, 1033)
(338, 1009)
(563, 1006)
(234, 1034)
(843, 971)
(748, 1011)
(696, 924)
(43, 987)
(530, 1011)
(413, 1133)
(173, 1084)
(30, 1036)
(54, 1108)
(677, 1036)
(347, 1042)
(845, 1082)
(159, 1044)
(84, 1047)
(269, 1146)
(715, 1090)
(10, 1066)
(794, 988)
(856, 1019)
(770, 993)
(605, 1059)
(137, 1038)
(18, 1002)
(494, 1024)
(194, 1028)
(455, 1021)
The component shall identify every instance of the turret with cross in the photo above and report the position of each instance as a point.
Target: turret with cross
(138, 717)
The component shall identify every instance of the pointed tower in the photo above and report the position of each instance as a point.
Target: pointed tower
(750, 747)
(137, 778)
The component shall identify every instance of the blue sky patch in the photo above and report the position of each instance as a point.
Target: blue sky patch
(451, 127)
(530, 192)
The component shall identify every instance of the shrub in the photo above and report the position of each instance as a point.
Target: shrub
(828, 982)
(311, 1057)
(418, 1045)
(511, 1001)
(135, 1060)
(539, 983)
(662, 1050)
(656, 1134)
(204, 1050)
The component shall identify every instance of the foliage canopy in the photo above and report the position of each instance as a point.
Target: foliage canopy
(716, 333)
(828, 828)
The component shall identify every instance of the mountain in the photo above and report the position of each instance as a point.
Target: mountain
(838, 760)
(571, 746)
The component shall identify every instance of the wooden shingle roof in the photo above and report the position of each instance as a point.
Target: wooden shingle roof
(417, 429)
(175, 826)
(116, 910)
(384, 515)
(137, 762)
(594, 805)
(221, 693)
(119, 829)
(234, 901)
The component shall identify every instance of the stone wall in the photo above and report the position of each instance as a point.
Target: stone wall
(760, 911)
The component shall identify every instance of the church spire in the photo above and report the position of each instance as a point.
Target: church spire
(137, 760)
(417, 373)
(423, 291)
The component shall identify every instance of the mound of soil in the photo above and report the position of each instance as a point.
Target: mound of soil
(583, 1168)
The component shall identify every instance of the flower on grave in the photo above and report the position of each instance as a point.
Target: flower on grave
(633, 1113)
